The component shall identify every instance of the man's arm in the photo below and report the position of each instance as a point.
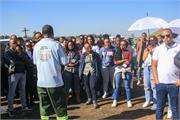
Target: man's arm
(155, 59)
(155, 72)
(9, 59)
(178, 83)
(34, 56)
(118, 62)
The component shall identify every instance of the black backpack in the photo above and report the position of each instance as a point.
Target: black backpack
(177, 60)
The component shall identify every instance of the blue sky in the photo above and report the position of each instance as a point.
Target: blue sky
(74, 17)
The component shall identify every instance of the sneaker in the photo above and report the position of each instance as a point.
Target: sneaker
(114, 104)
(88, 102)
(154, 107)
(139, 82)
(105, 95)
(26, 108)
(151, 102)
(129, 104)
(169, 114)
(146, 104)
(11, 113)
(95, 105)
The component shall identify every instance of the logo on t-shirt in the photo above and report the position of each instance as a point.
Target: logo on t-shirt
(108, 53)
(45, 53)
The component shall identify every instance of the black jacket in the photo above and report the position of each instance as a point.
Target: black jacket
(15, 62)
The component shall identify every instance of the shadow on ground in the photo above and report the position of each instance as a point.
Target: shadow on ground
(134, 114)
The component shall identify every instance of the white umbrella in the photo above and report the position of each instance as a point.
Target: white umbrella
(174, 26)
(147, 23)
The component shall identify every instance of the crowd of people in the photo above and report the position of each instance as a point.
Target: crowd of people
(87, 68)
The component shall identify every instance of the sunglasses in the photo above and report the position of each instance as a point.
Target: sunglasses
(168, 36)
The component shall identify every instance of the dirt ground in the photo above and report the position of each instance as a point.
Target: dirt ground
(81, 111)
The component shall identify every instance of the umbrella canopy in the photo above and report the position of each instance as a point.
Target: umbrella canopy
(174, 26)
(147, 23)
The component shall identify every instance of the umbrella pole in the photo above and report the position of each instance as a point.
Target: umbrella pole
(148, 34)
(147, 14)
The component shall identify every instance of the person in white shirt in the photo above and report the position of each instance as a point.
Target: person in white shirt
(165, 74)
(49, 56)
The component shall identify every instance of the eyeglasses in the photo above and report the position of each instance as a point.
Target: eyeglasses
(14, 43)
(168, 36)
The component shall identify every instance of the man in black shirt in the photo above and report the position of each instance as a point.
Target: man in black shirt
(16, 69)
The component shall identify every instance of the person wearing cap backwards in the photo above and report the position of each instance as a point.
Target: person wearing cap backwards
(49, 56)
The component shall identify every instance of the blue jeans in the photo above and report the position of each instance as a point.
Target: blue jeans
(13, 81)
(127, 84)
(162, 91)
(139, 75)
(149, 86)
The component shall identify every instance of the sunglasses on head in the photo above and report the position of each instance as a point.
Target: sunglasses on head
(168, 36)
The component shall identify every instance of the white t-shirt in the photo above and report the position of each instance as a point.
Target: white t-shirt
(95, 48)
(168, 73)
(147, 62)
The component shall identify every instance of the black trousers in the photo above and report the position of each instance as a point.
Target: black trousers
(90, 84)
(31, 88)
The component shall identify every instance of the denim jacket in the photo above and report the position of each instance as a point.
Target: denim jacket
(95, 64)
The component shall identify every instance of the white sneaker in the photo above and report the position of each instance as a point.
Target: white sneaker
(114, 104)
(151, 102)
(105, 95)
(169, 114)
(129, 104)
(146, 104)
(139, 82)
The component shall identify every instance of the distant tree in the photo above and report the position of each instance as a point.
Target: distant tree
(6, 37)
(2, 37)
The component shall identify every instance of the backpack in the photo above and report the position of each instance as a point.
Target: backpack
(177, 60)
